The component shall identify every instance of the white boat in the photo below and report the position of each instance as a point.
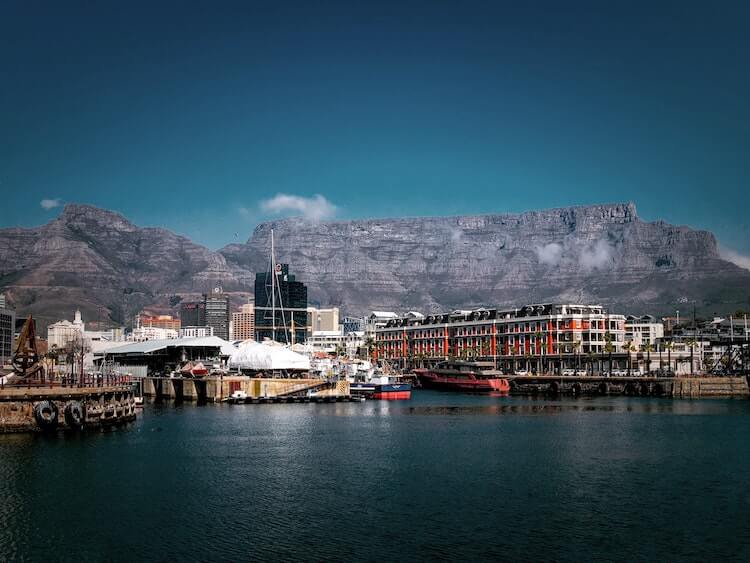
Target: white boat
(138, 402)
(237, 397)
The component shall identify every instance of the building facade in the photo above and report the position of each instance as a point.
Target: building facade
(157, 321)
(62, 333)
(643, 331)
(322, 319)
(196, 331)
(193, 314)
(217, 312)
(280, 315)
(243, 323)
(7, 330)
(510, 337)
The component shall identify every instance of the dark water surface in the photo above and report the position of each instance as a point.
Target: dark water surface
(440, 477)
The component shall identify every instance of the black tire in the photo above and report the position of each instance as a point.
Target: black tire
(45, 414)
(74, 415)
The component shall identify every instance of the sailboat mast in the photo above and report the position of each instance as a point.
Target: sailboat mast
(273, 290)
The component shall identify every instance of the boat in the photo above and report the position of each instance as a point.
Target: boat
(379, 386)
(476, 377)
(237, 397)
(138, 402)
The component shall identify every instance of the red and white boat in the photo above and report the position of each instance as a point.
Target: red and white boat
(473, 377)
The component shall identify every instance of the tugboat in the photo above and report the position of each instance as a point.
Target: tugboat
(472, 377)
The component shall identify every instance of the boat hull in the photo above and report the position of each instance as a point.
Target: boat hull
(430, 380)
(392, 391)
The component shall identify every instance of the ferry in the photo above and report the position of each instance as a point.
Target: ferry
(474, 377)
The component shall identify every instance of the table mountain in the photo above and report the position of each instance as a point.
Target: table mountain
(99, 261)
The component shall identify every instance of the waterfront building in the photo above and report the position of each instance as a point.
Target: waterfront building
(145, 333)
(643, 331)
(193, 313)
(196, 331)
(530, 336)
(7, 330)
(376, 320)
(290, 319)
(217, 312)
(322, 320)
(62, 333)
(243, 323)
(354, 324)
(157, 321)
(335, 342)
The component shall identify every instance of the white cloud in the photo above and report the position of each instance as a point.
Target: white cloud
(316, 208)
(50, 203)
(735, 257)
(549, 254)
(596, 255)
(244, 211)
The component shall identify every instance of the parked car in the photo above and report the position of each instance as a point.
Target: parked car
(522, 372)
(568, 372)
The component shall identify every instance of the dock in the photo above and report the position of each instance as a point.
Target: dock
(633, 386)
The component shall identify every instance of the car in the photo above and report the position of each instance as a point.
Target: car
(568, 372)
(522, 372)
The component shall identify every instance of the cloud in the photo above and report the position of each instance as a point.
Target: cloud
(244, 211)
(549, 254)
(735, 257)
(596, 255)
(316, 208)
(50, 203)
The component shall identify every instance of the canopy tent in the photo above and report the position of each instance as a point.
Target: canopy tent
(258, 356)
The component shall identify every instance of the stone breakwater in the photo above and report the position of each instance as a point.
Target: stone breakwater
(49, 409)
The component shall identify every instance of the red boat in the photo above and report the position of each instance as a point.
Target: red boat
(475, 377)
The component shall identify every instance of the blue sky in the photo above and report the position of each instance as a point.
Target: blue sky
(191, 116)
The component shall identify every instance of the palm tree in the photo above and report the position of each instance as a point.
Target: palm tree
(629, 348)
(609, 348)
(590, 354)
(692, 342)
(649, 349)
(669, 346)
(369, 346)
(577, 350)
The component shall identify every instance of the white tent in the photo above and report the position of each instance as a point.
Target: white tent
(267, 356)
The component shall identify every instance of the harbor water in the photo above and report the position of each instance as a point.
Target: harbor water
(443, 476)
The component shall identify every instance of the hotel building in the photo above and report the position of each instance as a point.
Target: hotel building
(531, 336)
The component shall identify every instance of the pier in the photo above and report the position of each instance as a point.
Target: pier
(216, 389)
(643, 386)
(37, 408)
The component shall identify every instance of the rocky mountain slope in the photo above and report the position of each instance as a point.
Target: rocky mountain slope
(601, 253)
(97, 260)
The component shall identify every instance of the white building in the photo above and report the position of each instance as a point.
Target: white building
(643, 331)
(196, 331)
(333, 341)
(61, 333)
(322, 320)
(376, 320)
(145, 333)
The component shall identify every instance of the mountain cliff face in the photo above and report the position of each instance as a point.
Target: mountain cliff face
(602, 253)
(98, 261)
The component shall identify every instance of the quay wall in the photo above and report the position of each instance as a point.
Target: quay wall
(697, 387)
(97, 407)
(216, 389)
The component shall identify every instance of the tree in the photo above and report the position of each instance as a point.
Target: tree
(577, 350)
(609, 348)
(369, 346)
(649, 349)
(691, 343)
(629, 348)
(669, 346)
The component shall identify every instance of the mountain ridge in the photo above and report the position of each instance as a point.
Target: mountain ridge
(100, 261)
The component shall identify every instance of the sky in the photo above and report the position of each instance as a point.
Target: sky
(210, 117)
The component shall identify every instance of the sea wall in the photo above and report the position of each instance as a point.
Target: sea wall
(215, 389)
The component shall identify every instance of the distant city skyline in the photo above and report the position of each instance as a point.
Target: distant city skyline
(208, 121)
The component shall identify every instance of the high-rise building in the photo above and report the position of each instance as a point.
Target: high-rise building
(289, 300)
(7, 330)
(243, 322)
(217, 312)
(193, 314)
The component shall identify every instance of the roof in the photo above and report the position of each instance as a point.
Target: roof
(150, 346)
(383, 314)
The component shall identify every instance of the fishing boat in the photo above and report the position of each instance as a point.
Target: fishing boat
(383, 387)
(473, 377)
